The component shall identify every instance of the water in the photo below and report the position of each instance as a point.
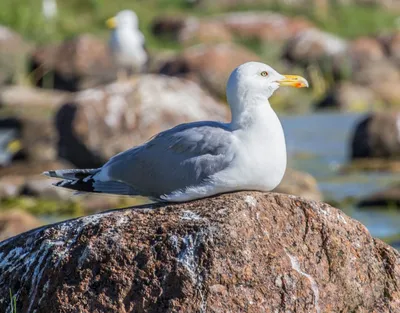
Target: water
(319, 143)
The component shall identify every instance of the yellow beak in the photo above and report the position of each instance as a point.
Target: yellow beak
(293, 81)
(111, 22)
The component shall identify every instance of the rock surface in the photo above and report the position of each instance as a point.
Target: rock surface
(209, 65)
(300, 184)
(264, 26)
(101, 122)
(15, 222)
(313, 45)
(389, 197)
(78, 63)
(13, 54)
(349, 97)
(377, 136)
(240, 252)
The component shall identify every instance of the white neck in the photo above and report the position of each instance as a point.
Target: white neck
(250, 110)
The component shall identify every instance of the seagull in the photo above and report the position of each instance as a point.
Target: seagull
(127, 43)
(200, 159)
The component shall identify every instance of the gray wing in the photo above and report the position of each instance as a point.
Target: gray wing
(180, 157)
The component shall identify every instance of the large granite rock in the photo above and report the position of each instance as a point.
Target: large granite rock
(377, 136)
(313, 45)
(349, 97)
(14, 222)
(13, 55)
(101, 122)
(300, 184)
(264, 26)
(240, 252)
(209, 65)
(190, 30)
(78, 63)
(389, 197)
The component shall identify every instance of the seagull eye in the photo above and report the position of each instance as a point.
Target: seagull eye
(264, 74)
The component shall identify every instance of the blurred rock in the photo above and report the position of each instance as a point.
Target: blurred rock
(189, 30)
(393, 47)
(264, 26)
(386, 198)
(32, 168)
(366, 49)
(209, 65)
(11, 186)
(349, 97)
(240, 252)
(204, 31)
(377, 136)
(22, 98)
(75, 64)
(376, 72)
(169, 26)
(24, 178)
(34, 136)
(15, 222)
(42, 188)
(300, 184)
(388, 91)
(13, 55)
(100, 122)
(312, 45)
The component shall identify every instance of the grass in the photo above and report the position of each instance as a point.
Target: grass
(13, 302)
(78, 16)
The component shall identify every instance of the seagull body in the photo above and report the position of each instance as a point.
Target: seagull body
(127, 42)
(201, 159)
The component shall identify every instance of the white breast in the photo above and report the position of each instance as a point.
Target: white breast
(260, 160)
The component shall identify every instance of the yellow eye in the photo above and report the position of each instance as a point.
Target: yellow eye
(264, 74)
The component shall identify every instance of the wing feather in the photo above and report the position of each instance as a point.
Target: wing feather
(181, 157)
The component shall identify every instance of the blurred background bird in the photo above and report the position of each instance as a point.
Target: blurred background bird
(127, 44)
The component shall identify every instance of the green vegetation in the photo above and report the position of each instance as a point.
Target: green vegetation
(41, 207)
(78, 16)
(13, 302)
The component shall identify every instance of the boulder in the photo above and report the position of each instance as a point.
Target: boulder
(35, 137)
(377, 136)
(349, 97)
(393, 46)
(13, 55)
(78, 63)
(22, 99)
(366, 49)
(15, 222)
(11, 186)
(312, 45)
(209, 65)
(264, 26)
(189, 30)
(101, 122)
(375, 72)
(239, 252)
(24, 177)
(388, 198)
(300, 184)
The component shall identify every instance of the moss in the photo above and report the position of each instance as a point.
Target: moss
(42, 207)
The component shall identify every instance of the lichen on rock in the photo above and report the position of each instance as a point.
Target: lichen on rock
(238, 252)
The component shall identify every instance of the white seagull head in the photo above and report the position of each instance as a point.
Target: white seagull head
(257, 81)
(251, 84)
(124, 19)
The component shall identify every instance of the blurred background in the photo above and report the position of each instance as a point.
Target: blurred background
(67, 101)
